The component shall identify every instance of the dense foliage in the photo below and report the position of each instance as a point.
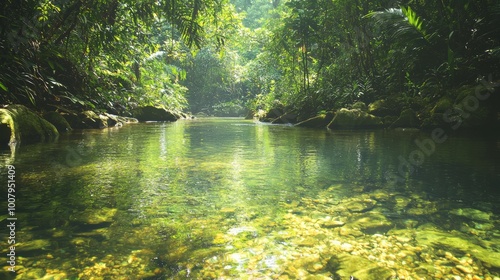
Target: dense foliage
(222, 58)
(333, 53)
(102, 54)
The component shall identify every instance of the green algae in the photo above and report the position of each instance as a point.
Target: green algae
(20, 124)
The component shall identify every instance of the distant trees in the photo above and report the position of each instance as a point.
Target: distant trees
(217, 56)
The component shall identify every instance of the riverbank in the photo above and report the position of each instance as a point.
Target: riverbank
(468, 107)
(19, 124)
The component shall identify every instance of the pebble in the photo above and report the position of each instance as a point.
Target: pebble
(346, 247)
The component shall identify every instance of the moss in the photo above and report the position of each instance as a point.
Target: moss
(22, 124)
(407, 118)
(87, 119)
(345, 118)
(150, 113)
(360, 106)
(443, 105)
(58, 121)
(383, 108)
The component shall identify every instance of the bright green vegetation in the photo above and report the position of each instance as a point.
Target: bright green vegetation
(227, 57)
(234, 199)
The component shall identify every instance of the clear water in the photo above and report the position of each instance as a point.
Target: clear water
(234, 199)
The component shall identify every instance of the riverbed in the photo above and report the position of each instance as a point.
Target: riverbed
(239, 199)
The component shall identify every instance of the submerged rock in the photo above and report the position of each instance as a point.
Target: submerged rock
(96, 216)
(346, 265)
(18, 123)
(32, 245)
(371, 223)
(361, 205)
(472, 214)
(439, 239)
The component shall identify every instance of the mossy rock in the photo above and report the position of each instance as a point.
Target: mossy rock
(458, 242)
(345, 118)
(86, 120)
(114, 120)
(388, 120)
(20, 124)
(360, 106)
(444, 104)
(58, 121)
(383, 107)
(408, 118)
(150, 113)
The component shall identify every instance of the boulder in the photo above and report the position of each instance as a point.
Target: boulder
(371, 223)
(355, 118)
(442, 105)
(87, 119)
(347, 266)
(360, 106)
(114, 120)
(383, 107)
(407, 118)
(18, 123)
(472, 214)
(58, 121)
(150, 113)
(458, 242)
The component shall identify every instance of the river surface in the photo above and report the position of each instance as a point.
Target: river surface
(236, 199)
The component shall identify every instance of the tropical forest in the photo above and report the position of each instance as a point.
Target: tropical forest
(250, 139)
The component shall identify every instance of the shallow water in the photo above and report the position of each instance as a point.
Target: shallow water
(234, 199)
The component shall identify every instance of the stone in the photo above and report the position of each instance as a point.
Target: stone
(407, 118)
(359, 206)
(465, 269)
(371, 223)
(346, 265)
(383, 108)
(355, 118)
(32, 245)
(360, 106)
(457, 242)
(58, 121)
(150, 113)
(472, 214)
(36, 273)
(20, 124)
(114, 120)
(346, 247)
(331, 224)
(86, 120)
(95, 216)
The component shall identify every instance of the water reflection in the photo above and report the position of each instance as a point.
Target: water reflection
(225, 199)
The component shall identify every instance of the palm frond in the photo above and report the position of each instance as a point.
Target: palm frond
(402, 23)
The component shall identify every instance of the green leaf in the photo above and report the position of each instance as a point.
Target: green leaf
(2, 86)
